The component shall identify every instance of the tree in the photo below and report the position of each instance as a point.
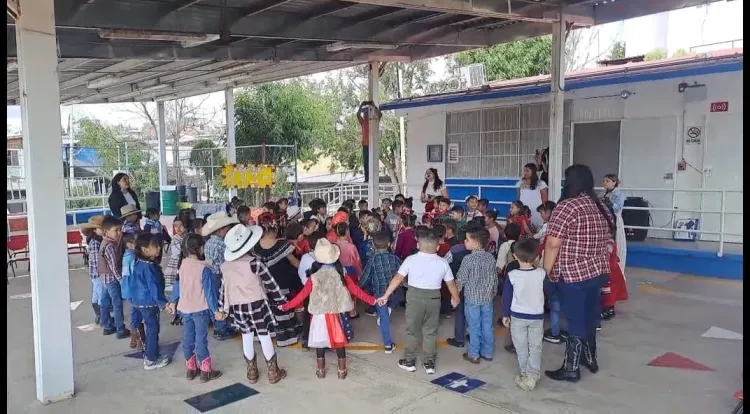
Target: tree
(680, 53)
(109, 143)
(656, 54)
(204, 157)
(180, 116)
(617, 52)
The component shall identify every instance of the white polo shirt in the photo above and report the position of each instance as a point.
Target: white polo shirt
(426, 271)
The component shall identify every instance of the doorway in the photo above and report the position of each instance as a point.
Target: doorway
(597, 145)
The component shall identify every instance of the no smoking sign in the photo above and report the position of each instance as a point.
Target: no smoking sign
(693, 135)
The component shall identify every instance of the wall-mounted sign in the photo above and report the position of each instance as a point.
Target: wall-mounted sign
(719, 106)
(452, 156)
(435, 153)
(248, 175)
(693, 135)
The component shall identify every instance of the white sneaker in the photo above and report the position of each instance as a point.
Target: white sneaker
(160, 362)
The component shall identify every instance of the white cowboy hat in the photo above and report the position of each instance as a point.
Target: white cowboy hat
(216, 221)
(127, 210)
(240, 239)
(325, 252)
(292, 212)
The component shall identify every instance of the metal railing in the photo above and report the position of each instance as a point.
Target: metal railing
(722, 211)
(335, 195)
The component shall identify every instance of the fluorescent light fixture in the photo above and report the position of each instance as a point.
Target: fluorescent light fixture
(192, 43)
(233, 78)
(102, 82)
(156, 35)
(74, 101)
(154, 87)
(339, 46)
(12, 66)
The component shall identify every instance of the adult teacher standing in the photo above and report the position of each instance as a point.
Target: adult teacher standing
(433, 187)
(122, 195)
(575, 254)
(532, 192)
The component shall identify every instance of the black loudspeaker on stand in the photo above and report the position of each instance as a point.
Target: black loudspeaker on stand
(641, 218)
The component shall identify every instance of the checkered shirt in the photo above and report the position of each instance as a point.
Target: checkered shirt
(379, 270)
(214, 251)
(584, 232)
(109, 253)
(477, 277)
(94, 246)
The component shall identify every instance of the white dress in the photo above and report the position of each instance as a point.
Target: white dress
(533, 199)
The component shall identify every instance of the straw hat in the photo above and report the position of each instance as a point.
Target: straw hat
(325, 252)
(239, 240)
(127, 210)
(216, 221)
(94, 223)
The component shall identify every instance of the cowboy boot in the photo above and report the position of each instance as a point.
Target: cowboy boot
(191, 366)
(589, 355)
(342, 368)
(141, 335)
(207, 371)
(134, 340)
(275, 374)
(321, 371)
(569, 370)
(97, 313)
(252, 369)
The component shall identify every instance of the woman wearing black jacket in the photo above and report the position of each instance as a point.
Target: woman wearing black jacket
(122, 194)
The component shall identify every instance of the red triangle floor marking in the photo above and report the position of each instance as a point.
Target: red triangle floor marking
(672, 360)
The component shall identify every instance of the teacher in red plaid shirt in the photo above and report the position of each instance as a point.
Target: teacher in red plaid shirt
(575, 255)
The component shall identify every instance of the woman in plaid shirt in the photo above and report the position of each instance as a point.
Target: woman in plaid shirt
(576, 254)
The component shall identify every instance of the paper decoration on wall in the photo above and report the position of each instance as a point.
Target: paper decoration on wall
(248, 175)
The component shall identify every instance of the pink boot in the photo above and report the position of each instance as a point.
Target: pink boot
(207, 372)
(192, 368)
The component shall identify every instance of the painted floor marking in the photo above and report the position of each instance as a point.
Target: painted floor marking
(721, 333)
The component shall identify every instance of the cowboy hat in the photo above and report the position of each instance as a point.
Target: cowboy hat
(239, 240)
(292, 212)
(93, 223)
(127, 210)
(325, 252)
(217, 221)
(340, 217)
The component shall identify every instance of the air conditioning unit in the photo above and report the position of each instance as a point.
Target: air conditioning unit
(473, 75)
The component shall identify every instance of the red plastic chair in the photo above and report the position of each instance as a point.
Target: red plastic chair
(18, 251)
(76, 246)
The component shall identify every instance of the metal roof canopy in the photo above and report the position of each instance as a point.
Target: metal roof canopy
(140, 50)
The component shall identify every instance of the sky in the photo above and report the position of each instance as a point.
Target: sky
(719, 22)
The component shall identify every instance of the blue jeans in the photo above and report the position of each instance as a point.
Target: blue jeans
(581, 302)
(112, 298)
(97, 291)
(151, 320)
(481, 321)
(136, 318)
(459, 324)
(385, 323)
(220, 327)
(195, 334)
(554, 318)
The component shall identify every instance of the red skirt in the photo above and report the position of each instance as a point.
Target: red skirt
(616, 290)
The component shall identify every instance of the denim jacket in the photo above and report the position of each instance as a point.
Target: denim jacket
(147, 285)
(128, 261)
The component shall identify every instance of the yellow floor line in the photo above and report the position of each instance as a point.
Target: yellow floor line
(654, 290)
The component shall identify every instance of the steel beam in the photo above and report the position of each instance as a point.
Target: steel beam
(480, 8)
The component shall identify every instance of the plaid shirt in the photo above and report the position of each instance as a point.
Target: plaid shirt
(109, 254)
(477, 277)
(128, 227)
(94, 246)
(378, 272)
(214, 251)
(584, 233)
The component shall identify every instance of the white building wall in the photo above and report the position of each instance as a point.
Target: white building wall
(655, 118)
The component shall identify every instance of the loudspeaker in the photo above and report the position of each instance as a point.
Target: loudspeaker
(640, 218)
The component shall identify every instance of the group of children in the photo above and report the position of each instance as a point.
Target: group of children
(269, 272)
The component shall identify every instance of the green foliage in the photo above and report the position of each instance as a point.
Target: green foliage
(520, 59)
(282, 113)
(656, 54)
(617, 52)
(680, 53)
(109, 143)
(204, 157)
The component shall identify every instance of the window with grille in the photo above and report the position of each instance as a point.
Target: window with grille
(498, 142)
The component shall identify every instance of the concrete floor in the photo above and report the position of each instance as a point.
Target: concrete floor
(665, 313)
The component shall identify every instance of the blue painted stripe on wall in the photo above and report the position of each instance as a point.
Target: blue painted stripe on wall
(707, 69)
(693, 262)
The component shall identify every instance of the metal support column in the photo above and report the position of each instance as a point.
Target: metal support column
(373, 186)
(557, 108)
(231, 142)
(45, 198)
(162, 136)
